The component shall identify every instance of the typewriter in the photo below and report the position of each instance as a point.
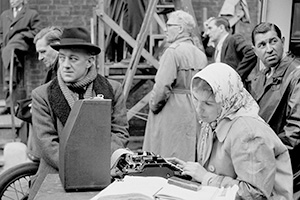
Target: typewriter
(125, 162)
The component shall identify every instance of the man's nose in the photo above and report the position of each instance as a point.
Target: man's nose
(269, 47)
(199, 107)
(65, 62)
(40, 57)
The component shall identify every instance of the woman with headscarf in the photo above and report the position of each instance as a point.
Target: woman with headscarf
(235, 146)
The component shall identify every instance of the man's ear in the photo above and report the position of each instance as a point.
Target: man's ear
(90, 61)
(282, 40)
(254, 50)
(181, 30)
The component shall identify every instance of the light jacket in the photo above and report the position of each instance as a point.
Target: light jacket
(172, 125)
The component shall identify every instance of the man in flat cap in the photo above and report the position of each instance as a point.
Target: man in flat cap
(77, 78)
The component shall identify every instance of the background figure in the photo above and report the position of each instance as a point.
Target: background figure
(18, 26)
(233, 50)
(47, 36)
(208, 45)
(77, 78)
(172, 126)
(276, 88)
(235, 145)
(49, 56)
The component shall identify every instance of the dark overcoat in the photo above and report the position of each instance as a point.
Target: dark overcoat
(279, 101)
(238, 53)
(18, 32)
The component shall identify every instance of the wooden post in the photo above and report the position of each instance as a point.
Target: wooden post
(12, 106)
(101, 40)
(141, 39)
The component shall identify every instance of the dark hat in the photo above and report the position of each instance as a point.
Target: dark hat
(76, 37)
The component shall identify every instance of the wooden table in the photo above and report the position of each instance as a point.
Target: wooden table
(52, 188)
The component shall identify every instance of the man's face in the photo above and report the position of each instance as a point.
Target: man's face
(269, 48)
(173, 30)
(73, 64)
(46, 53)
(213, 31)
(15, 3)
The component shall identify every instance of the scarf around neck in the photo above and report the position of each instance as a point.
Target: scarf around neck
(62, 98)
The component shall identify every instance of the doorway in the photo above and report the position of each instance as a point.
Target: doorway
(295, 29)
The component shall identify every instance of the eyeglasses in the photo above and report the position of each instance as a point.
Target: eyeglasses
(169, 25)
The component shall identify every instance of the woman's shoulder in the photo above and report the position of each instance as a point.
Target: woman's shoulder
(248, 126)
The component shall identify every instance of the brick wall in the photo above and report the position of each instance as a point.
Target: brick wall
(64, 13)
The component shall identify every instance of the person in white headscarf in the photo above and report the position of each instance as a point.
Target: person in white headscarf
(235, 145)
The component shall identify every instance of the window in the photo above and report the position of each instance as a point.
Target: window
(295, 29)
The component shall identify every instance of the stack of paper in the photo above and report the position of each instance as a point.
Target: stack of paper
(150, 188)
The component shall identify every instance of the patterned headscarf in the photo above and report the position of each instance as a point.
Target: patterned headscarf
(229, 91)
(234, 99)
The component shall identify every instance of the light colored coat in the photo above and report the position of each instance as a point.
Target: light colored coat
(248, 153)
(172, 125)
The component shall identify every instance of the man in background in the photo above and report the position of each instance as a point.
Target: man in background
(18, 26)
(49, 56)
(231, 49)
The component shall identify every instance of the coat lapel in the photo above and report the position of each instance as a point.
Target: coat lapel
(59, 104)
(224, 47)
(284, 74)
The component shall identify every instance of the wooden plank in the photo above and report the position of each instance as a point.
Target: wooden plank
(12, 107)
(101, 39)
(138, 106)
(141, 39)
(127, 37)
(121, 77)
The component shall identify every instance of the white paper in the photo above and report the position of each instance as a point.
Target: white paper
(158, 188)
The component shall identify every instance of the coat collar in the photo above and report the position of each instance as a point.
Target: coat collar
(59, 104)
(279, 72)
(20, 15)
(223, 128)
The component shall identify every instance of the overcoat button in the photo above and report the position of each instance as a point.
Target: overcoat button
(211, 168)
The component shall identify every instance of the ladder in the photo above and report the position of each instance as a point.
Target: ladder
(138, 44)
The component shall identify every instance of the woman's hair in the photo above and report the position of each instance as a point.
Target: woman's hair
(52, 35)
(201, 85)
(185, 19)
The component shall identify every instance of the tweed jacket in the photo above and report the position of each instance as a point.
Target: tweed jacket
(239, 54)
(279, 101)
(18, 32)
(48, 128)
